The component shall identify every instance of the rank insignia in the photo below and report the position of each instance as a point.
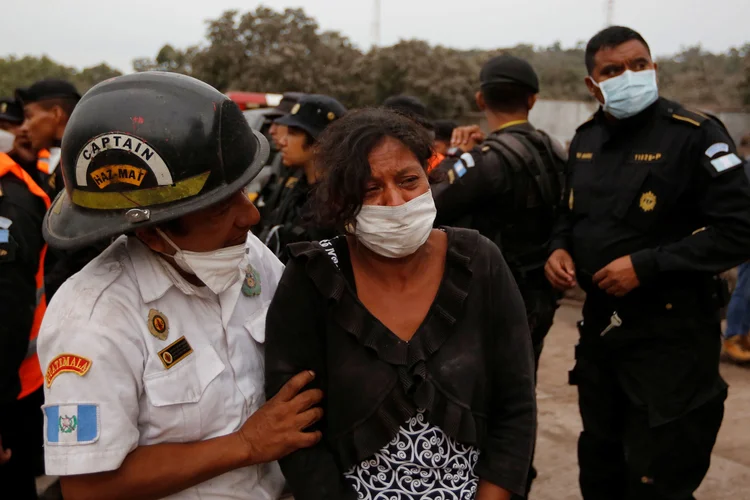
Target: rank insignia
(158, 324)
(71, 363)
(251, 283)
(295, 109)
(570, 200)
(175, 352)
(451, 176)
(648, 201)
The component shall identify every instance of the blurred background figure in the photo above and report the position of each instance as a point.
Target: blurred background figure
(443, 133)
(22, 304)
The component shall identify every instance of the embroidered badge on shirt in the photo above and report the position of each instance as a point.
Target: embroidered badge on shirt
(175, 352)
(726, 162)
(4, 236)
(570, 200)
(584, 156)
(158, 324)
(719, 147)
(71, 424)
(459, 168)
(251, 283)
(451, 176)
(647, 157)
(5, 223)
(648, 201)
(72, 363)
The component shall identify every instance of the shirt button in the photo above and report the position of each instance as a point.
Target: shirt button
(668, 307)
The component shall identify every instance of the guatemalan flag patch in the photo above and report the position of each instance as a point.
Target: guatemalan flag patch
(71, 424)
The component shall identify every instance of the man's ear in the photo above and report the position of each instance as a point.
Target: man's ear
(479, 98)
(61, 118)
(595, 91)
(532, 100)
(153, 240)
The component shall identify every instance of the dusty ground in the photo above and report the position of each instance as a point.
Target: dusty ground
(559, 425)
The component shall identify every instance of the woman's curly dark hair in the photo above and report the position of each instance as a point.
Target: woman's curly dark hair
(342, 159)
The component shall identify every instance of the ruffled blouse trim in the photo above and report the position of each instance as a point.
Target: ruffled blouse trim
(415, 388)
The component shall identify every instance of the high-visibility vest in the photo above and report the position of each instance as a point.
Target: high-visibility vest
(434, 161)
(30, 372)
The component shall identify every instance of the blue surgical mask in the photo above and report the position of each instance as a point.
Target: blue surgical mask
(630, 93)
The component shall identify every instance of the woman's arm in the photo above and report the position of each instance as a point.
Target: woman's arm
(295, 342)
(506, 455)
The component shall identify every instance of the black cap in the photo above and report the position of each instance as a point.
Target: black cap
(444, 129)
(313, 113)
(11, 110)
(509, 69)
(47, 89)
(286, 104)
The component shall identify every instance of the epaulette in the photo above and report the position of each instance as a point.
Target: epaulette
(694, 118)
(589, 121)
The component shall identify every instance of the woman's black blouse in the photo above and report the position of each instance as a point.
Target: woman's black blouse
(469, 365)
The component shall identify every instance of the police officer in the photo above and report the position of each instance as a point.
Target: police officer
(289, 218)
(508, 186)
(152, 354)
(22, 207)
(657, 203)
(48, 105)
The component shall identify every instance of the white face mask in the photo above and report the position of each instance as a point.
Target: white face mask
(630, 93)
(396, 232)
(217, 269)
(6, 141)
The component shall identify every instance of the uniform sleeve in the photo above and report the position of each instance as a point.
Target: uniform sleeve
(506, 457)
(20, 246)
(294, 344)
(563, 227)
(93, 371)
(723, 193)
(471, 179)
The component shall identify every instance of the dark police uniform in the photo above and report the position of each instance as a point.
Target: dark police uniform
(508, 188)
(286, 208)
(666, 188)
(21, 243)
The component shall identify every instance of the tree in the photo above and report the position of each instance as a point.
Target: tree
(22, 72)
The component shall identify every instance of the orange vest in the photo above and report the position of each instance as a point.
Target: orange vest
(30, 372)
(42, 161)
(434, 161)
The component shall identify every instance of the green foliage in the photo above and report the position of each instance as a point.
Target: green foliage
(21, 72)
(270, 51)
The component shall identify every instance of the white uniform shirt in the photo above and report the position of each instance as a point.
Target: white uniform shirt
(112, 384)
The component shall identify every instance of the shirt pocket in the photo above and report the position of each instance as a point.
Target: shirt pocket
(643, 196)
(176, 397)
(254, 359)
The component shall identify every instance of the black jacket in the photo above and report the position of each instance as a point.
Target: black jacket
(469, 365)
(665, 187)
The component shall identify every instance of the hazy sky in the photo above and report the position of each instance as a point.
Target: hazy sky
(85, 32)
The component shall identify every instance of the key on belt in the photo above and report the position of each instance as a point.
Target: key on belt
(614, 322)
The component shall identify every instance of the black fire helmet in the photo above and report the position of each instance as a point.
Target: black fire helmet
(146, 148)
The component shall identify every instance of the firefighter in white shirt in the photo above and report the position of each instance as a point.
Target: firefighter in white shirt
(153, 353)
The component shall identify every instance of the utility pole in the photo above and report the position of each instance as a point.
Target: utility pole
(376, 25)
(610, 12)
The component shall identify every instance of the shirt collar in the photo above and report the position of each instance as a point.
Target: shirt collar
(511, 124)
(155, 275)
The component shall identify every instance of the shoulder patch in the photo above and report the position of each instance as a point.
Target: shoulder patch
(71, 363)
(71, 424)
(719, 147)
(5, 223)
(726, 162)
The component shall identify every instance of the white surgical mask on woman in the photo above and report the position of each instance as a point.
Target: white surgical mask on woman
(217, 269)
(396, 232)
(630, 93)
(6, 141)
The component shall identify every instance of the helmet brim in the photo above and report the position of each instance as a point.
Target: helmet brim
(68, 227)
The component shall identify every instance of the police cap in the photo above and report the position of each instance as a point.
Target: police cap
(286, 105)
(509, 69)
(43, 90)
(146, 148)
(313, 113)
(11, 110)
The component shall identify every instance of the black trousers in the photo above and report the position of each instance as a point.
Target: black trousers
(652, 401)
(22, 433)
(541, 303)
